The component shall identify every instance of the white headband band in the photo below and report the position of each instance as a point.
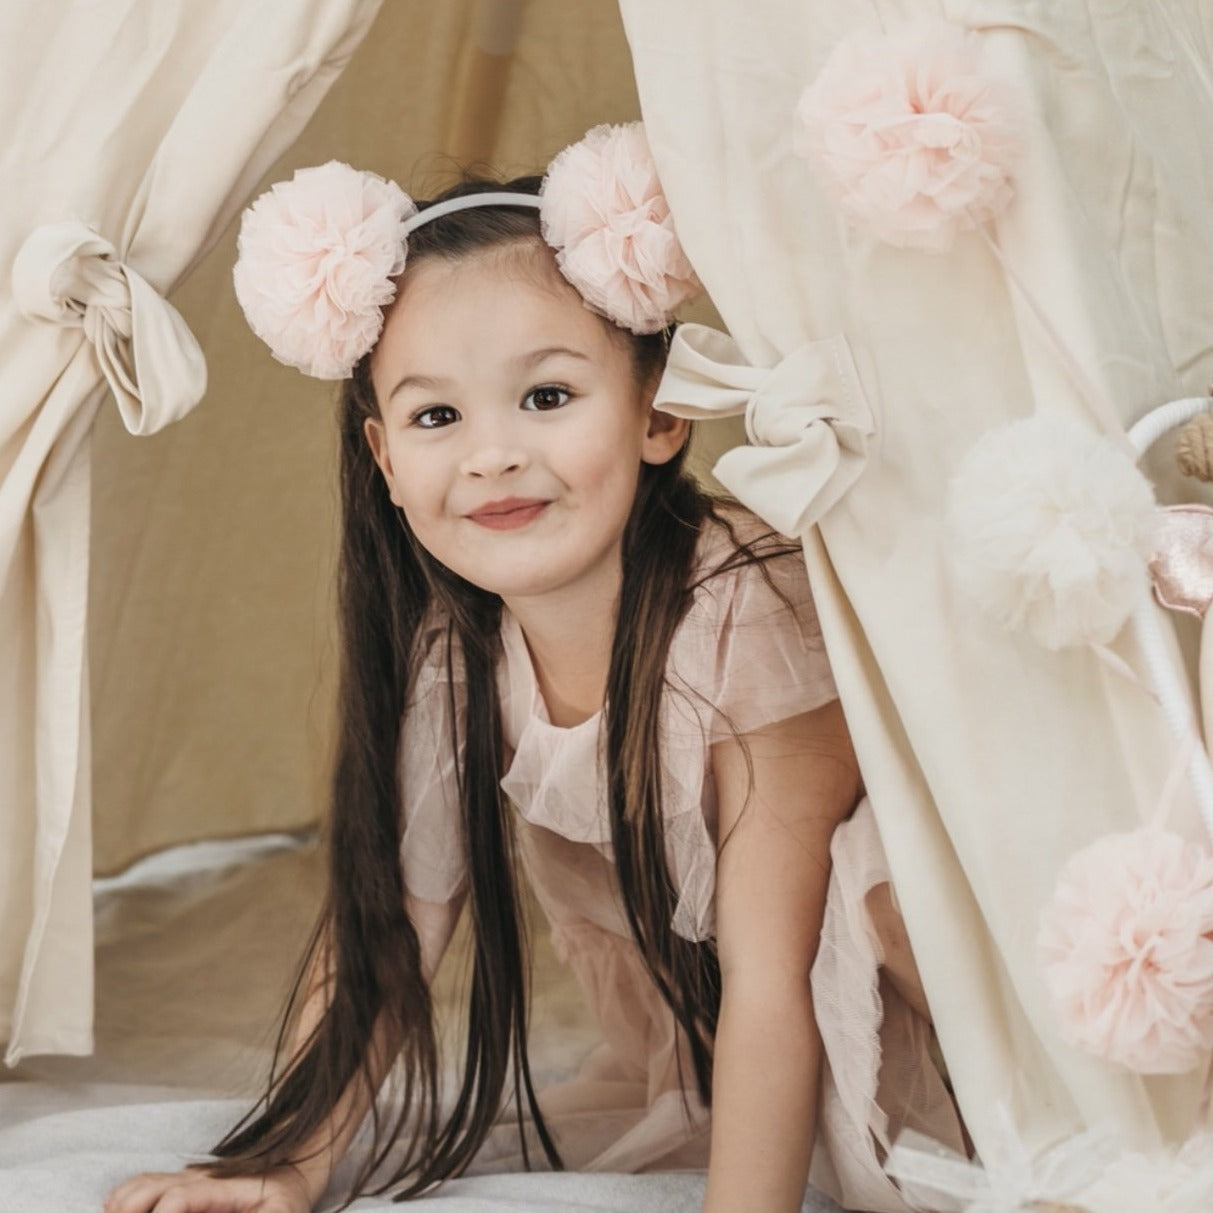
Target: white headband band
(467, 202)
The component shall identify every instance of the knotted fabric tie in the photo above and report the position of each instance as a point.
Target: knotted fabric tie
(66, 273)
(807, 421)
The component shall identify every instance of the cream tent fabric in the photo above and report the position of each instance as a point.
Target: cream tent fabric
(988, 759)
(132, 132)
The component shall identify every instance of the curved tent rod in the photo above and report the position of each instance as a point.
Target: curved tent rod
(1170, 688)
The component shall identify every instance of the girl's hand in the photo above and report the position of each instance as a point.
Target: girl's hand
(280, 1191)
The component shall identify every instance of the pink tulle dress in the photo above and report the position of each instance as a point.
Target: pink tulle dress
(748, 653)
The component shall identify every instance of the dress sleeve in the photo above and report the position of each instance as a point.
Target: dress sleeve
(748, 654)
(751, 645)
(431, 845)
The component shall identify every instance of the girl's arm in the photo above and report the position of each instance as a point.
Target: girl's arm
(772, 874)
(295, 1188)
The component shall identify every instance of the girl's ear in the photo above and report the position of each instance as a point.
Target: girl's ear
(665, 436)
(377, 440)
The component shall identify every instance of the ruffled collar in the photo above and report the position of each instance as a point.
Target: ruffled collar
(554, 778)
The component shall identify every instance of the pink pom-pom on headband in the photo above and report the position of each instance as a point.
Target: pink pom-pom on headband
(319, 255)
(605, 214)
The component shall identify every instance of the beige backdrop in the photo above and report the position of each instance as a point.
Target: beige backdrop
(211, 627)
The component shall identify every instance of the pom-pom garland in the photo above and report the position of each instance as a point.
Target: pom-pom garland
(1050, 528)
(914, 140)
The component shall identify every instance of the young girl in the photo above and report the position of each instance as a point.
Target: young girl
(564, 666)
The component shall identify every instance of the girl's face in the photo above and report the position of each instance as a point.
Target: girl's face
(512, 425)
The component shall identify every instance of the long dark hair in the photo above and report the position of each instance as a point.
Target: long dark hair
(364, 963)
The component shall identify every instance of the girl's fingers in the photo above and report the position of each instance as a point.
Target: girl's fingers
(139, 1194)
(194, 1192)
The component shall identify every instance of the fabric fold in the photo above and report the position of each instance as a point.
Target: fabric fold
(66, 273)
(808, 422)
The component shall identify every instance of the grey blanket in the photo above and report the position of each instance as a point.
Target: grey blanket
(63, 1148)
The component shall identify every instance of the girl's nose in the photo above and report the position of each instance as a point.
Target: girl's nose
(493, 452)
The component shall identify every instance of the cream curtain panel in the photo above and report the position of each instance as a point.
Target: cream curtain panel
(132, 132)
(869, 372)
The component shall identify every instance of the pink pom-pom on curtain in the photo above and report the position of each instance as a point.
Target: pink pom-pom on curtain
(317, 260)
(1126, 947)
(914, 141)
(606, 216)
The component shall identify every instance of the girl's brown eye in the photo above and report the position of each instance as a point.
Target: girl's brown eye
(541, 399)
(436, 416)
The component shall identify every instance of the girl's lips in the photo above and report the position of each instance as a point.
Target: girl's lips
(508, 515)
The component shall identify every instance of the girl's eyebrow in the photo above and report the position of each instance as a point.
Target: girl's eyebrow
(535, 357)
(429, 382)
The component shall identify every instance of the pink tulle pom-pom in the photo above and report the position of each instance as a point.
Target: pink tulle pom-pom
(605, 214)
(317, 259)
(916, 143)
(1127, 950)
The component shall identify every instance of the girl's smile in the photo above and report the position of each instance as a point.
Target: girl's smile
(509, 514)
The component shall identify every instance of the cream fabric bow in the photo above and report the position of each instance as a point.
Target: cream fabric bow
(807, 421)
(66, 273)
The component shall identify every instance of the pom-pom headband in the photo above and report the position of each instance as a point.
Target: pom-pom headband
(319, 254)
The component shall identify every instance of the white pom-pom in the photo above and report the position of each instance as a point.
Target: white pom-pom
(1050, 529)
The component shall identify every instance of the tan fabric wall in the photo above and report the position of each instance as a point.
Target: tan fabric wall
(212, 641)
